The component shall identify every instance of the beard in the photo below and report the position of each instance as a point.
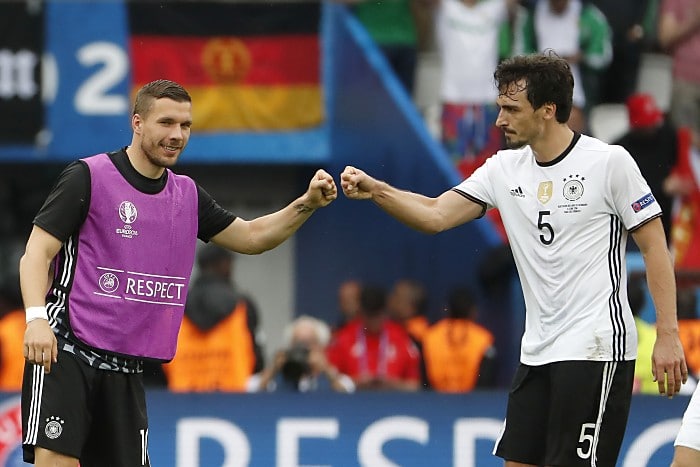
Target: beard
(154, 155)
(512, 142)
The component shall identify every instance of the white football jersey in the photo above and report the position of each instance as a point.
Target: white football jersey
(567, 223)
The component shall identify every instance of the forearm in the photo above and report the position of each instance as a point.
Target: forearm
(269, 231)
(412, 209)
(266, 232)
(34, 278)
(662, 287)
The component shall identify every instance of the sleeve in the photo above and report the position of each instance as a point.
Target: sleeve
(631, 196)
(479, 187)
(212, 217)
(66, 206)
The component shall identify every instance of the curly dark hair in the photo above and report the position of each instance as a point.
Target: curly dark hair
(547, 79)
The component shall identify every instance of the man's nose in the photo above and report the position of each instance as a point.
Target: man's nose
(176, 132)
(500, 119)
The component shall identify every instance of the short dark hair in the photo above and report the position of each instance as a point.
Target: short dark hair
(548, 79)
(418, 294)
(373, 300)
(158, 89)
(461, 303)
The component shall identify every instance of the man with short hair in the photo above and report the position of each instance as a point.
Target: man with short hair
(120, 230)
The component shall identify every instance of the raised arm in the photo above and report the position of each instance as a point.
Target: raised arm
(668, 361)
(265, 233)
(422, 213)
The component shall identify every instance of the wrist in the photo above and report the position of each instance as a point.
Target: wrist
(36, 312)
(666, 330)
(303, 206)
(378, 191)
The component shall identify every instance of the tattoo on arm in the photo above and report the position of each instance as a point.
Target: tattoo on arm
(302, 208)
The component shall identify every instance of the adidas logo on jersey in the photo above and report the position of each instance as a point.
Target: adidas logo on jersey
(517, 192)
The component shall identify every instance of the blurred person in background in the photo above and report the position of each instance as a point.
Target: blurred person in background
(458, 354)
(302, 366)
(348, 302)
(653, 142)
(218, 347)
(689, 327)
(633, 32)
(577, 31)
(376, 352)
(12, 326)
(684, 185)
(407, 305)
(679, 35)
(467, 39)
(392, 26)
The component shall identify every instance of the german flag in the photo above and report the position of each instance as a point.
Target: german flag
(247, 66)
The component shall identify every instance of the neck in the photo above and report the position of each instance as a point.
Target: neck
(552, 143)
(141, 163)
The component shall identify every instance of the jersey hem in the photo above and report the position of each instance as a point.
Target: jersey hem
(574, 359)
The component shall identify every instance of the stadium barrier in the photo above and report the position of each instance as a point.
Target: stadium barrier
(369, 429)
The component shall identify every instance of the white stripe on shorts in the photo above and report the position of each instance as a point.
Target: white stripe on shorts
(608, 377)
(35, 405)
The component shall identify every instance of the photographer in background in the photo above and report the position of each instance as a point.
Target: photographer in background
(302, 365)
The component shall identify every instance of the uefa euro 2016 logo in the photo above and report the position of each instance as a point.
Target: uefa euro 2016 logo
(127, 212)
(11, 433)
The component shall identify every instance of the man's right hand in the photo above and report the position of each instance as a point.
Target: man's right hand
(40, 346)
(356, 184)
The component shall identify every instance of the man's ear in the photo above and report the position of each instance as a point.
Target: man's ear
(136, 123)
(549, 110)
